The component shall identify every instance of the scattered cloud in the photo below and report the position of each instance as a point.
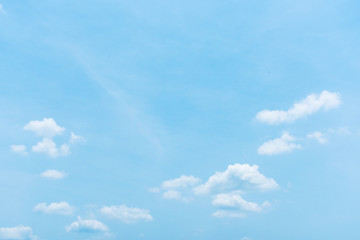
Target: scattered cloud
(234, 200)
(311, 104)
(279, 145)
(234, 174)
(341, 131)
(46, 128)
(18, 232)
(86, 225)
(62, 208)
(126, 214)
(318, 136)
(20, 149)
(228, 214)
(48, 146)
(53, 174)
(172, 194)
(75, 139)
(181, 182)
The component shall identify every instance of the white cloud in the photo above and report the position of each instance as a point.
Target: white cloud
(172, 194)
(231, 176)
(20, 149)
(228, 214)
(46, 128)
(126, 214)
(74, 139)
(86, 225)
(18, 232)
(62, 208)
(53, 174)
(48, 146)
(318, 136)
(181, 182)
(311, 104)
(234, 200)
(279, 145)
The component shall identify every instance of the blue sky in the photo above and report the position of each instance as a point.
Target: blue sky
(176, 120)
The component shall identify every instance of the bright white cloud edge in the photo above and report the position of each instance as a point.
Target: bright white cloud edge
(312, 103)
(279, 145)
(86, 225)
(236, 173)
(18, 232)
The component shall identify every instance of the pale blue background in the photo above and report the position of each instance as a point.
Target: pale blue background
(165, 88)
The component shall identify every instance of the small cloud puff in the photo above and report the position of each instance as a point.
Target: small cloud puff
(311, 104)
(46, 128)
(86, 225)
(75, 139)
(181, 182)
(318, 136)
(20, 149)
(53, 174)
(279, 145)
(126, 214)
(48, 146)
(62, 208)
(18, 232)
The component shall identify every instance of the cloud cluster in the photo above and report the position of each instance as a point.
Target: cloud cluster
(279, 145)
(126, 214)
(228, 186)
(311, 104)
(48, 129)
(18, 232)
(86, 225)
(62, 208)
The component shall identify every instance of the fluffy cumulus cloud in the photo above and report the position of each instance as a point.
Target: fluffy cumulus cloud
(126, 214)
(48, 146)
(181, 182)
(86, 225)
(18, 232)
(46, 128)
(233, 176)
(20, 149)
(53, 174)
(318, 136)
(62, 208)
(234, 200)
(311, 104)
(279, 145)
